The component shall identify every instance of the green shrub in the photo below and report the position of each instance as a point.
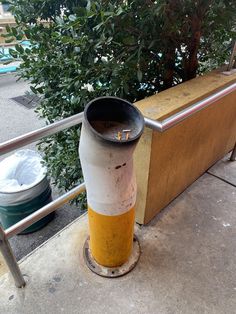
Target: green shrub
(130, 49)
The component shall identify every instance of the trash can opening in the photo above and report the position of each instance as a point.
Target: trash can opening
(114, 119)
(24, 188)
(21, 171)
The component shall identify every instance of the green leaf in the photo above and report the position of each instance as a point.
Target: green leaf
(119, 11)
(129, 40)
(8, 29)
(19, 48)
(139, 75)
(7, 62)
(10, 40)
(66, 39)
(34, 90)
(72, 17)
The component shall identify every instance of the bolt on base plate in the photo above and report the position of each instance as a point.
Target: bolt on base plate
(112, 272)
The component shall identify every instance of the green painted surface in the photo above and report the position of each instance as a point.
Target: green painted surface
(9, 215)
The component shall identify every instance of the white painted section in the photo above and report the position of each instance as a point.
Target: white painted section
(108, 174)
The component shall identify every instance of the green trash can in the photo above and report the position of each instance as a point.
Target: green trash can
(24, 188)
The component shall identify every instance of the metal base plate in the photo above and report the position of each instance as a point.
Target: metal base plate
(112, 272)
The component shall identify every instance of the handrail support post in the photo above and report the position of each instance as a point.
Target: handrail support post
(10, 260)
(233, 155)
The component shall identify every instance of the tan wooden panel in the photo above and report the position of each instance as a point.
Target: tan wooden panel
(142, 158)
(181, 154)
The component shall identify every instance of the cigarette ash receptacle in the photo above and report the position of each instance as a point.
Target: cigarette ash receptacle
(110, 132)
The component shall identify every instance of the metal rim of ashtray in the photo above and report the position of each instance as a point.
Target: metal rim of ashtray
(112, 272)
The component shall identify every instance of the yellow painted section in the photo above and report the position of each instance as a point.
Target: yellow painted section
(111, 237)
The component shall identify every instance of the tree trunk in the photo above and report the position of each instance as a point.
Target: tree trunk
(169, 67)
(191, 65)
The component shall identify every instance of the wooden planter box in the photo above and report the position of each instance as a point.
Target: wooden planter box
(167, 163)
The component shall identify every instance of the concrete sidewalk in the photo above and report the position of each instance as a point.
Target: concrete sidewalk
(15, 119)
(188, 262)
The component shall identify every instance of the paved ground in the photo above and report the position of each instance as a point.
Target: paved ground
(16, 119)
(188, 264)
(225, 170)
(3, 267)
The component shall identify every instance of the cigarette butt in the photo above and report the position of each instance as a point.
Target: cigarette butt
(127, 136)
(126, 131)
(119, 135)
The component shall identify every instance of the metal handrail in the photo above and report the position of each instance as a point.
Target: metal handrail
(25, 139)
(156, 125)
(176, 118)
(233, 155)
(53, 128)
(44, 211)
(232, 58)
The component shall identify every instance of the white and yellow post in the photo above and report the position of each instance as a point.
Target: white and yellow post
(110, 132)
